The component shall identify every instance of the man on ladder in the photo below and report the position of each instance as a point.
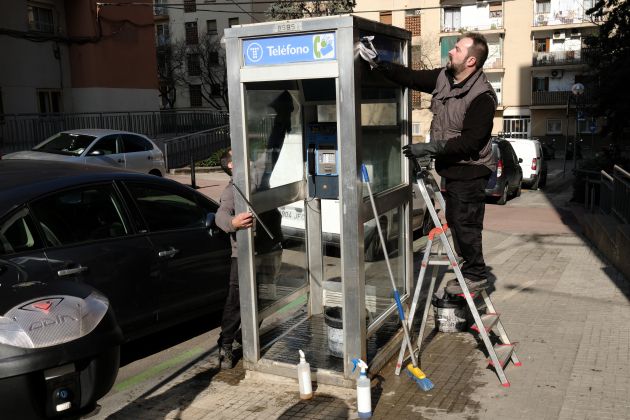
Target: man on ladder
(463, 107)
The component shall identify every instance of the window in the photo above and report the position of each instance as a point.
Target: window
(588, 4)
(49, 101)
(540, 84)
(232, 22)
(192, 36)
(415, 129)
(107, 145)
(194, 67)
(385, 17)
(452, 19)
(1, 115)
(543, 6)
(80, 215)
(212, 27)
(162, 34)
(194, 92)
(190, 6)
(164, 209)
(554, 126)
(159, 8)
(215, 89)
(18, 233)
(541, 44)
(41, 19)
(133, 143)
(496, 10)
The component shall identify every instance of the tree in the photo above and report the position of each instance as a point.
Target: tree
(200, 64)
(169, 64)
(609, 58)
(282, 10)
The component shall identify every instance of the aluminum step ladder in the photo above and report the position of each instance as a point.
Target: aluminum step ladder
(485, 323)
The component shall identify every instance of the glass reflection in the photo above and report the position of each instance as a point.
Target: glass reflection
(274, 128)
(378, 289)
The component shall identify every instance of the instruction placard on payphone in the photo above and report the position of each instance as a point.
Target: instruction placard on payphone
(323, 160)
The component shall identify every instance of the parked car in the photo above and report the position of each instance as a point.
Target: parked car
(59, 345)
(146, 243)
(506, 180)
(533, 163)
(293, 223)
(99, 147)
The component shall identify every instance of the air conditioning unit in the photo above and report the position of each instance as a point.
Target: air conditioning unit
(558, 35)
(557, 74)
(575, 34)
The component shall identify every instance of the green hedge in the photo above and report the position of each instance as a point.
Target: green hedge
(213, 160)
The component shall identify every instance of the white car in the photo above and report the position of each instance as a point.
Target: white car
(294, 216)
(533, 163)
(99, 147)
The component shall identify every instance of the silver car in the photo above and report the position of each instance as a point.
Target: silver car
(99, 147)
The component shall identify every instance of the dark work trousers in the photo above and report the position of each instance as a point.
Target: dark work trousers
(465, 208)
(232, 310)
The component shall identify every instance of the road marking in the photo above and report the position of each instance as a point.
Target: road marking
(159, 368)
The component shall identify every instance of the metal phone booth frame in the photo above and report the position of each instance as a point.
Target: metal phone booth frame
(313, 63)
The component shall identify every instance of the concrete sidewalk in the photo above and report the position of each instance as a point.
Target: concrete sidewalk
(560, 300)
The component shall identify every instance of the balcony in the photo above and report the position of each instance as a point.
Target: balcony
(160, 11)
(560, 58)
(542, 98)
(570, 17)
(476, 28)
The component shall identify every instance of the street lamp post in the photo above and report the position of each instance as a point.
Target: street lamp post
(578, 90)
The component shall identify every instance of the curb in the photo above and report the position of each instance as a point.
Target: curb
(200, 170)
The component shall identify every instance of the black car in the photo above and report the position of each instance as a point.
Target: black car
(145, 243)
(506, 180)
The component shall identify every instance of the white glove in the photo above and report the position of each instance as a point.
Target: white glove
(367, 51)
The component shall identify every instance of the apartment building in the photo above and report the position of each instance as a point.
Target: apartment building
(191, 73)
(76, 56)
(536, 55)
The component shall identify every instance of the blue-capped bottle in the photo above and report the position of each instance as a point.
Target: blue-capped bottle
(364, 391)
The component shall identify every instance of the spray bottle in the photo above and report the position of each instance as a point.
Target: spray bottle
(304, 378)
(364, 393)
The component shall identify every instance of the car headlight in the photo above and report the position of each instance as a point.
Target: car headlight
(52, 320)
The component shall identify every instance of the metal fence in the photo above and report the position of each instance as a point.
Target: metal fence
(23, 131)
(608, 194)
(188, 149)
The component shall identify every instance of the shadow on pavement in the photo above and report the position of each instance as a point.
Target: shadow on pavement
(321, 406)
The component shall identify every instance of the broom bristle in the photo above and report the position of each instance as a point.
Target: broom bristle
(419, 377)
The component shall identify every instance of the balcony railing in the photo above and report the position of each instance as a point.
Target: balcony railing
(559, 98)
(159, 8)
(476, 28)
(560, 58)
(570, 17)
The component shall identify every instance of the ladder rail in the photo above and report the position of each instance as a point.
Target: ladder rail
(422, 177)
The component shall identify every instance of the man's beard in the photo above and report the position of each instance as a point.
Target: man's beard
(454, 69)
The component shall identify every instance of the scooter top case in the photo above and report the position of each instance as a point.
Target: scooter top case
(59, 346)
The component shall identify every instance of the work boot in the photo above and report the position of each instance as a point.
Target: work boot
(226, 358)
(453, 288)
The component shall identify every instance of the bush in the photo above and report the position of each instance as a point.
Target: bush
(213, 160)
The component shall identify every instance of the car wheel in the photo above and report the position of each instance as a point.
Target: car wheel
(518, 190)
(504, 197)
(373, 246)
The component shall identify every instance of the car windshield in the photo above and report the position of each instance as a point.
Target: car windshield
(65, 144)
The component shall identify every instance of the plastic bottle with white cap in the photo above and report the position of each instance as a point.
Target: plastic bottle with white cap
(304, 378)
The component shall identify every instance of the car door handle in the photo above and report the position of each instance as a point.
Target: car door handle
(170, 253)
(71, 271)
(121, 161)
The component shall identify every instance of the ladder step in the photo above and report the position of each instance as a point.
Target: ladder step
(503, 352)
(442, 260)
(488, 321)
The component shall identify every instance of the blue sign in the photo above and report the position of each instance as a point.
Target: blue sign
(289, 49)
(592, 128)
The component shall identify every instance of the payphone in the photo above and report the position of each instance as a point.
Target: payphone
(323, 162)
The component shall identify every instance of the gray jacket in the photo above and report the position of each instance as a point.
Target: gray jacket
(449, 105)
(225, 214)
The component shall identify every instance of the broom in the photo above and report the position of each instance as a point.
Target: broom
(412, 370)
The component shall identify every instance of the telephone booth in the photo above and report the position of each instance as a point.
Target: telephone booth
(305, 113)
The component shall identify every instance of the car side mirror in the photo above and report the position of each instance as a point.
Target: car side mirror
(520, 160)
(210, 220)
(96, 152)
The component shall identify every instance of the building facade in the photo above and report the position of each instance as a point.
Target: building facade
(190, 57)
(536, 55)
(76, 56)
